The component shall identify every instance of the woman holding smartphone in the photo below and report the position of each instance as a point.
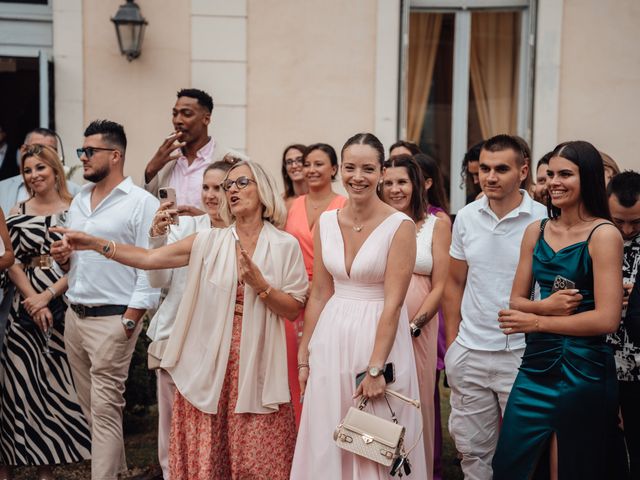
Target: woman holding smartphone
(174, 281)
(355, 321)
(561, 417)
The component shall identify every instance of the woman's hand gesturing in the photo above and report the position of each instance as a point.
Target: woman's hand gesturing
(249, 273)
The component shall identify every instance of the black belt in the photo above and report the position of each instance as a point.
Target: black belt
(101, 311)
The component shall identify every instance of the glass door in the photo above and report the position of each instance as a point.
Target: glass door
(466, 78)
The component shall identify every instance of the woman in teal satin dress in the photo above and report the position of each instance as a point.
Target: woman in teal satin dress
(561, 417)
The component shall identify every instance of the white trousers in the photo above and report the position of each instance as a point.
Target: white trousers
(166, 390)
(480, 383)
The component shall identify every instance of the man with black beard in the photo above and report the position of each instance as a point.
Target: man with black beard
(107, 300)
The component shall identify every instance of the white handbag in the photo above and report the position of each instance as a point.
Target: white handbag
(376, 438)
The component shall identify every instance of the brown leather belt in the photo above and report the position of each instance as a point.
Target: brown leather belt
(44, 262)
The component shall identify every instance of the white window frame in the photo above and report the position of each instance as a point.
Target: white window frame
(32, 19)
(460, 102)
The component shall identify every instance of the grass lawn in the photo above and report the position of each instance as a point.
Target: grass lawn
(141, 436)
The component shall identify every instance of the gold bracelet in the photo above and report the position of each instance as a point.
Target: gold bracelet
(537, 324)
(303, 365)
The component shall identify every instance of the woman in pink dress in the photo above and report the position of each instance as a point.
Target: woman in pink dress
(356, 321)
(320, 169)
(436, 204)
(402, 188)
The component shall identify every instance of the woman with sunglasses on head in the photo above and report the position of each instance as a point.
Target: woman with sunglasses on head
(293, 177)
(320, 169)
(163, 232)
(232, 414)
(402, 188)
(561, 417)
(38, 396)
(355, 323)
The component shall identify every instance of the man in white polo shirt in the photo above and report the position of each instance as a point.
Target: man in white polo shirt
(481, 362)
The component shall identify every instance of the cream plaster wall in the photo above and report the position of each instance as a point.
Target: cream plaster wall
(69, 79)
(311, 76)
(600, 77)
(219, 65)
(141, 93)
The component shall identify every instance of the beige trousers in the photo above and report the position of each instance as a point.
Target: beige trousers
(99, 354)
(166, 391)
(480, 384)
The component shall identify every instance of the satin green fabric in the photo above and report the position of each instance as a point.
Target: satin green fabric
(566, 385)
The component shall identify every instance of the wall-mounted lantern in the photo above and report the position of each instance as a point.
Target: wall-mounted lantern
(129, 24)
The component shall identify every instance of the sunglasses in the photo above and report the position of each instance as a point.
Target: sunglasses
(90, 151)
(240, 182)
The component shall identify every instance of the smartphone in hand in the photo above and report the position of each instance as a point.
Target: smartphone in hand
(562, 283)
(168, 194)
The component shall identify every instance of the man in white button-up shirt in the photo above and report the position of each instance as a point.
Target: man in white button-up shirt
(481, 366)
(107, 300)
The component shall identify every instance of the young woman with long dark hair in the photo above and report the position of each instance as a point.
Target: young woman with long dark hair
(562, 411)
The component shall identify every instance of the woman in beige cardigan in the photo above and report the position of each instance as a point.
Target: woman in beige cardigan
(232, 414)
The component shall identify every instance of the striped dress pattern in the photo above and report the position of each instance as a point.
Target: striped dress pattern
(41, 422)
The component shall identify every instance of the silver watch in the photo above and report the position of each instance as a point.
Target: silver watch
(128, 323)
(374, 371)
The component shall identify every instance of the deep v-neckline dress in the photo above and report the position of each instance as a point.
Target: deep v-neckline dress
(341, 347)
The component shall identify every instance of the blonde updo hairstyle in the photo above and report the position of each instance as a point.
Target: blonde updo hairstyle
(273, 209)
(48, 156)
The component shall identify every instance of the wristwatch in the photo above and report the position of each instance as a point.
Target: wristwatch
(415, 330)
(374, 371)
(128, 323)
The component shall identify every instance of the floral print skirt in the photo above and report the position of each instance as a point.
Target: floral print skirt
(231, 445)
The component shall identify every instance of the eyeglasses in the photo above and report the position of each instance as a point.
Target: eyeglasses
(240, 182)
(289, 162)
(90, 151)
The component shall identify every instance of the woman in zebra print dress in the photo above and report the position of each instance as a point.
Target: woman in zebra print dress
(41, 422)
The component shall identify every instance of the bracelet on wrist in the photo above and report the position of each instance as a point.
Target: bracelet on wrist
(303, 365)
(52, 292)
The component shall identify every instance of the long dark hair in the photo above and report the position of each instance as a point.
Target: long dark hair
(365, 139)
(591, 168)
(430, 169)
(288, 184)
(416, 204)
